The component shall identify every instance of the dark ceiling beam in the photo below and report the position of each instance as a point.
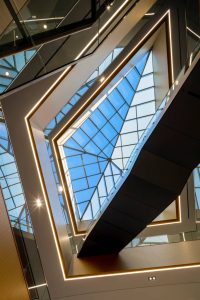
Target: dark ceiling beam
(28, 42)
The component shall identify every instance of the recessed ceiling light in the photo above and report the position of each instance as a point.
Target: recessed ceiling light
(7, 73)
(38, 202)
(150, 14)
(152, 278)
(17, 36)
(108, 7)
(176, 82)
(102, 79)
(45, 26)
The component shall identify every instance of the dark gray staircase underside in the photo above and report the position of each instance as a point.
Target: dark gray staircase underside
(158, 176)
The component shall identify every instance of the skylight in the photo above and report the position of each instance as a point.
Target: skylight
(97, 150)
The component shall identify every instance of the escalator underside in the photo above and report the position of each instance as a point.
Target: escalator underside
(158, 176)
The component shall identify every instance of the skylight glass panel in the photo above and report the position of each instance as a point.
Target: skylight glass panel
(146, 82)
(146, 109)
(149, 66)
(143, 96)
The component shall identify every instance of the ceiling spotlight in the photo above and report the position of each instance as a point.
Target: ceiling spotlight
(176, 82)
(102, 79)
(45, 26)
(17, 37)
(7, 73)
(108, 7)
(150, 14)
(34, 17)
(38, 202)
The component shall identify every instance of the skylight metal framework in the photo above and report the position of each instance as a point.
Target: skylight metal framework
(97, 151)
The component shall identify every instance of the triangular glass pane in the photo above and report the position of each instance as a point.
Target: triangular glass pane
(93, 180)
(87, 215)
(146, 82)
(82, 207)
(71, 152)
(149, 66)
(84, 195)
(95, 204)
(115, 170)
(71, 143)
(133, 78)
(102, 188)
(126, 90)
(116, 178)
(141, 64)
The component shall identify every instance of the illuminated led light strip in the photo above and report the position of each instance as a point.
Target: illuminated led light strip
(163, 223)
(102, 84)
(190, 61)
(71, 216)
(171, 49)
(138, 271)
(37, 286)
(38, 20)
(45, 196)
(180, 211)
(70, 192)
(150, 14)
(189, 29)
